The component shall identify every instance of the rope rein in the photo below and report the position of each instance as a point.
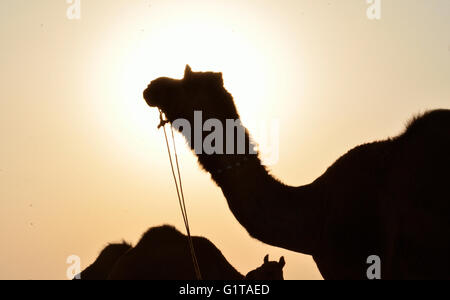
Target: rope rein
(180, 192)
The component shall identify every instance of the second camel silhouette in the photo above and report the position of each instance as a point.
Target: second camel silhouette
(163, 254)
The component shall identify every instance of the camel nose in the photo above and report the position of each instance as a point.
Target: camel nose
(147, 94)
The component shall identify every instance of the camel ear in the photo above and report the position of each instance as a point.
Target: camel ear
(282, 262)
(187, 72)
(266, 259)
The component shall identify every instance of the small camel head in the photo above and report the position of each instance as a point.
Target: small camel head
(270, 270)
(197, 91)
(104, 263)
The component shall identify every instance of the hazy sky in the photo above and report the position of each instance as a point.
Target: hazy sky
(82, 163)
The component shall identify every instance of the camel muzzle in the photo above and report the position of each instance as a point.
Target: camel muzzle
(148, 97)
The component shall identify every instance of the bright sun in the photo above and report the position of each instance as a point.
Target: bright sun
(220, 46)
(204, 48)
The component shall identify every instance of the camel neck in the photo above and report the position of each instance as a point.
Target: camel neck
(272, 212)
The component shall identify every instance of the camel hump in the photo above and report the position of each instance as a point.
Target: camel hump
(165, 232)
(434, 121)
(169, 235)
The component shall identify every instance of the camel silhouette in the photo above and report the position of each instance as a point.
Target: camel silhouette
(100, 269)
(163, 253)
(387, 198)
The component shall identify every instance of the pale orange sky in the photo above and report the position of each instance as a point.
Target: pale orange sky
(82, 163)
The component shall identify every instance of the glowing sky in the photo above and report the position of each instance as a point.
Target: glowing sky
(82, 163)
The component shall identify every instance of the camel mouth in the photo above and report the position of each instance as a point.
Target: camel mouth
(149, 97)
(160, 92)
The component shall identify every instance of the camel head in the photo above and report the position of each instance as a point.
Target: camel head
(197, 91)
(270, 270)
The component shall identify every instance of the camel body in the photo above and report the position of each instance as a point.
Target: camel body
(388, 198)
(163, 254)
